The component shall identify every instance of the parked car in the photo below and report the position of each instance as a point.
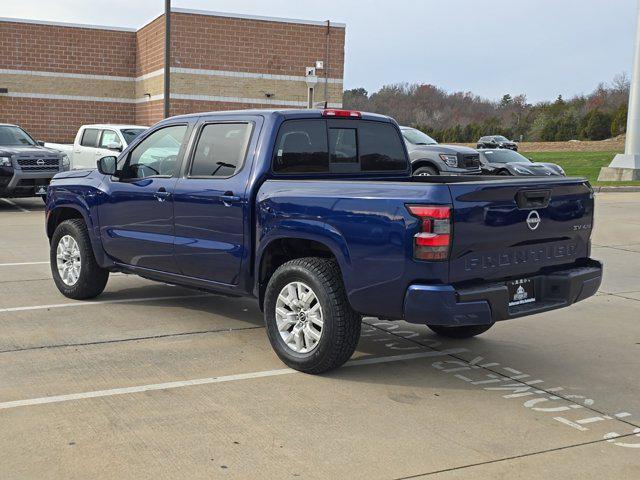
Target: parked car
(508, 162)
(315, 214)
(497, 141)
(428, 157)
(93, 142)
(26, 167)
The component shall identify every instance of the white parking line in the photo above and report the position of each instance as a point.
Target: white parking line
(15, 205)
(98, 302)
(20, 264)
(210, 380)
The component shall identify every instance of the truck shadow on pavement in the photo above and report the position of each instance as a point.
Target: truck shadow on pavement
(213, 313)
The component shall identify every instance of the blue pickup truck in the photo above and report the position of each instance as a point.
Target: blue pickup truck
(316, 215)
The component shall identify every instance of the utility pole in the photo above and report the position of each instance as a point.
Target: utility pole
(626, 166)
(167, 58)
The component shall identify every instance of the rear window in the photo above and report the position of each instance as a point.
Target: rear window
(380, 148)
(90, 137)
(338, 146)
(302, 147)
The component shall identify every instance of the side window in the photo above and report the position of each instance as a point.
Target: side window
(301, 147)
(380, 148)
(221, 149)
(90, 137)
(109, 139)
(156, 155)
(343, 148)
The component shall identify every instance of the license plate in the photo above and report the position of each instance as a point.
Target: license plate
(521, 292)
(41, 189)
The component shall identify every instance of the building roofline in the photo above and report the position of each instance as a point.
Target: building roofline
(256, 17)
(174, 10)
(65, 24)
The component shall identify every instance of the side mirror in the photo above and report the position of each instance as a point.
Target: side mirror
(40, 142)
(108, 165)
(114, 146)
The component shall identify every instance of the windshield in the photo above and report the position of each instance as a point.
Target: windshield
(11, 136)
(130, 134)
(504, 156)
(500, 138)
(417, 137)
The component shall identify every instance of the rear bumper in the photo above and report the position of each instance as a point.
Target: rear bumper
(488, 303)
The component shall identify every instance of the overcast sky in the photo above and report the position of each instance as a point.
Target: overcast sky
(491, 47)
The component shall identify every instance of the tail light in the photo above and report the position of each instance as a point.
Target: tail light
(433, 242)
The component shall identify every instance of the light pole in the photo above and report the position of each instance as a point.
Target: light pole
(167, 58)
(626, 166)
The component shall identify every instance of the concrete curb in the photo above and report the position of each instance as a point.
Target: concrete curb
(620, 189)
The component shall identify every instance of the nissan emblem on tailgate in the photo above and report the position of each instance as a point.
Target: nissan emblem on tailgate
(533, 220)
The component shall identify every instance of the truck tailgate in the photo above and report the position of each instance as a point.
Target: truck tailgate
(514, 228)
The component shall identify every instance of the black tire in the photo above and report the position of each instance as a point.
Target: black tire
(92, 279)
(341, 325)
(425, 171)
(460, 332)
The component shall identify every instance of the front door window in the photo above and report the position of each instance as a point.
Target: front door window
(157, 155)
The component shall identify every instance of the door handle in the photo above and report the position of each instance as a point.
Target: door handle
(228, 198)
(162, 194)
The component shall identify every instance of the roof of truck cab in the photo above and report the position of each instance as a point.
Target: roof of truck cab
(112, 125)
(289, 113)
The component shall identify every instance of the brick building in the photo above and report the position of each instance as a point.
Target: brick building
(60, 76)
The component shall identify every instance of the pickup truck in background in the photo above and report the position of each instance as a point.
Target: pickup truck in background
(26, 167)
(428, 157)
(93, 142)
(315, 214)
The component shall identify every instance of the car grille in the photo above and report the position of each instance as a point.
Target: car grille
(539, 170)
(470, 161)
(39, 164)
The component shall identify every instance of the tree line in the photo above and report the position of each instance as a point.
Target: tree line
(464, 117)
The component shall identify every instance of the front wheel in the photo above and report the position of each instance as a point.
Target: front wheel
(460, 332)
(310, 323)
(425, 172)
(73, 265)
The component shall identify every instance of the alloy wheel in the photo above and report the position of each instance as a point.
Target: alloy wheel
(68, 260)
(299, 317)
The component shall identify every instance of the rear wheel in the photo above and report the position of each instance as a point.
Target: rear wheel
(309, 321)
(460, 332)
(73, 265)
(425, 171)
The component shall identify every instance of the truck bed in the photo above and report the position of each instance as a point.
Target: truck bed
(490, 238)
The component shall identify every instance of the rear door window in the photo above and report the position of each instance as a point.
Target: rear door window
(301, 147)
(90, 137)
(221, 149)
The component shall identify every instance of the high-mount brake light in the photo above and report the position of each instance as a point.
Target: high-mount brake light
(433, 242)
(330, 112)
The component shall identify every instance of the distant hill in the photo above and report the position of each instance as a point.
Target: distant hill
(465, 117)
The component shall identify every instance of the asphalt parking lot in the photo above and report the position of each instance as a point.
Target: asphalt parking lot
(155, 381)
